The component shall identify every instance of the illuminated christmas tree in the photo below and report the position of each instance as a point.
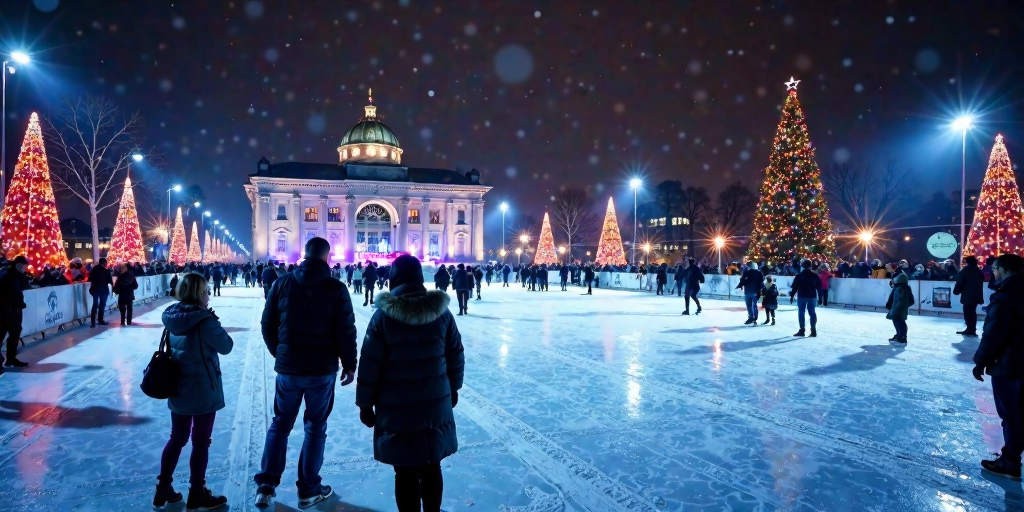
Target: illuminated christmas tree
(207, 255)
(179, 251)
(126, 244)
(998, 226)
(546, 245)
(194, 254)
(609, 248)
(792, 219)
(28, 223)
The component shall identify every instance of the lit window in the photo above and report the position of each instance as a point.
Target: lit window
(334, 214)
(371, 151)
(344, 154)
(435, 216)
(652, 223)
(414, 216)
(311, 214)
(78, 246)
(355, 152)
(661, 221)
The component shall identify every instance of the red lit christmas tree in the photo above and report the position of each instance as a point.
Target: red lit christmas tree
(28, 224)
(998, 226)
(126, 244)
(792, 219)
(609, 248)
(207, 254)
(179, 250)
(546, 245)
(194, 254)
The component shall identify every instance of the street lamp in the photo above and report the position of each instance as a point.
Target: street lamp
(137, 157)
(561, 251)
(647, 254)
(504, 208)
(20, 58)
(962, 124)
(719, 244)
(634, 184)
(519, 255)
(176, 188)
(866, 237)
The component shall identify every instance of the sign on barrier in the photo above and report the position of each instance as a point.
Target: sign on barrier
(937, 296)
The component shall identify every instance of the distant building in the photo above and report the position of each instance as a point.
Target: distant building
(78, 239)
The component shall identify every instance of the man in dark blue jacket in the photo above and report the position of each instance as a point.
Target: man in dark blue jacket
(805, 287)
(100, 282)
(751, 281)
(462, 281)
(308, 325)
(694, 277)
(13, 283)
(1001, 355)
(505, 271)
(563, 276)
(970, 286)
(370, 275)
(268, 277)
(217, 275)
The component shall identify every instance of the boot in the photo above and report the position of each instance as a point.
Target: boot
(902, 340)
(997, 467)
(687, 312)
(894, 339)
(766, 320)
(699, 310)
(814, 334)
(773, 320)
(165, 494)
(202, 499)
(364, 303)
(749, 321)
(800, 333)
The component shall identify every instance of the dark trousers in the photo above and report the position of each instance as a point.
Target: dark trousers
(901, 327)
(10, 326)
(478, 291)
(807, 305)
(414, 484)
(201, 429)
(590, 290)
(679, 289)
(99, 306)
(1008, 395)
(266, 292)
(357, 285)
(971, 317)
(368, 297)
(216, 287)
(463, 296)
(692, 294)
(505, 285)
(769, 314)
(661, 289)
(751, 300)
(125, 307)
(291, 390)
(822, 297)
(564, 282)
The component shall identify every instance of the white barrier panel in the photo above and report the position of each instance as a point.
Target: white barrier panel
(863, 292)
(937, 296)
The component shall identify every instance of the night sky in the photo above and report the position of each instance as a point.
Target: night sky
(537, 95)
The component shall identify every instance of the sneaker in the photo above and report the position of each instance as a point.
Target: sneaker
(800, 333)
(13, 361)
(766, 320)
(894, 338)
(749, 321)
(967, 333)
(687, 312)
(203, 500)
(165, 494)
(814, 334)
(325, 492)
(773, 321)
(265, 496)
(997, 467)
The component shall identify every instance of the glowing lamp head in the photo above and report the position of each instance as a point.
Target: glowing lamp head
(196, 204)
(524, 238)
(635, 183)
(20, 57)
(207, 213)
(503, 252)
(561, 250)
(216, 222)
(719, 242)
(137, 157)
(963, 123)
(647, 247)
(176, 188)
(519, 251)
(504, 207)
(867, 236)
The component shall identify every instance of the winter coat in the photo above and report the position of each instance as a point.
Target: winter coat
(824, 277)
(662, 275)
(861, 271)
(770, 296)
(196, 340)
(357, 274)
(680, 275)
(878, 272)
(12, 289)
(125, 287)
(900, 299)
(269, 276)
(506, 270)
(694, 277)
(441, 278)
(478, 275)
(1002, 339)
(308, 323)
(970, 285)
(369, 275)
(411, 362)
(462, 280)
(805, 285)
(588, 275)
(100, 280)
(752, 281)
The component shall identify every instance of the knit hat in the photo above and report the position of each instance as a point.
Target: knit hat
(405, 270)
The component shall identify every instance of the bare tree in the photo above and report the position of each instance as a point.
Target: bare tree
(864, 193)
(734, 208)
(92, 141)
(573, 215)
(695, 207)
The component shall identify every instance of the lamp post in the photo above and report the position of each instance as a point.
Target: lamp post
(519, 255)
(504, 208)
(866, 237)
(561, 252)
(963, 123)
(20, 58)
(176, 188)
(635, 185)
(719, 243)
(647, 255)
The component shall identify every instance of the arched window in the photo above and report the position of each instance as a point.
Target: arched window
(281, 215)
(282, 242)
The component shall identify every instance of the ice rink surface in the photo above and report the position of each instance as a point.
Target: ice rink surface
(605, 403)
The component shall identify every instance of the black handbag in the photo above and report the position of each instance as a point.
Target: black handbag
(160, 378)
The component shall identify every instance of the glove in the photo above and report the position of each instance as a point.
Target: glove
(367, 417)
(790, 299)
(979, 372)
(455, 398)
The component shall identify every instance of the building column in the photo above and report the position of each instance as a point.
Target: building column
(322, 215)
(425, 227)
(403, 225)
(350, 228)
(296, 221)
(449, 229)
(478, 230)
(261, 249)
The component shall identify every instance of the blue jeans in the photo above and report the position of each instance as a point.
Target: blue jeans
(751, 300)
(807, 304)
(1009, 394)
(318, 392)
(99, 304)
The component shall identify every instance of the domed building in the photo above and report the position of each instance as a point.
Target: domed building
(368, 205)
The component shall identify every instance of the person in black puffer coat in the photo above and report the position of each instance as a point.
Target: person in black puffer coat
(970, 286)
(410, 372)
(369, 281)
(462, 281)
(442, 279)
(99, 287)
(125, 289)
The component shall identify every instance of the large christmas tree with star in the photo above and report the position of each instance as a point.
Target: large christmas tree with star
(609, 248)
(792, 219)
(546, 245)
(998, 226)
(179, 248)
(194, 253)
(126, 244)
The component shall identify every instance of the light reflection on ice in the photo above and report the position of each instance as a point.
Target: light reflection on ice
(716, 359)
(503, 355)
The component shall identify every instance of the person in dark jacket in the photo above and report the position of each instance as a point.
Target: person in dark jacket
(442, 279)
(770, 300)
(679, 278)
(694, 277)
(900, 300)
(478, 277)
(99, 287)
(196, 338)
(970, 286)
(805, 288)
(217, 275)
(505, 271)
(13, 283)
(588, 276)
(752, 281)
(662, 278)
(410, 372)
(369, 281)
(125, 288)
(563, 276)
(267, 277)
(1001, 355)
(308, 325)
(462, 281)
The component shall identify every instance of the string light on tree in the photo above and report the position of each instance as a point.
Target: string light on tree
(792, 217)
(207, 255)
(609, 247)
(546, 245)
(998, 226)
(126, 244)
(179, 251)
(194, 254)
(29, 224)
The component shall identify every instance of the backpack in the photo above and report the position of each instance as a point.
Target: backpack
(160, 378)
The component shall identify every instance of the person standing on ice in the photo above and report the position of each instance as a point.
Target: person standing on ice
(410, 371)
(805, 288)
(462, 281)
(770, 299)
(563, 276)
(662, 278)
(751, 281)
(478, 277)
(1001, 355)
(308, 326)
(588, 276)
(694, 277)
(679, 278)
(505, 271)
(900, 299)
(369, 281)
(970, 286)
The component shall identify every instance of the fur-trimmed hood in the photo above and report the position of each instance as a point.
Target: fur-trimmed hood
(414, 309)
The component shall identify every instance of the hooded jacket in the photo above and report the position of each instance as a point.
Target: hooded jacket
(308, 324)
(1002, 339)
(900, 299)
(125, 287)
(441, 277)
(196, 340)
(412, 360)
(970, 285)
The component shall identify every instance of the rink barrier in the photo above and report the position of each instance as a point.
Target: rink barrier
(57, 307)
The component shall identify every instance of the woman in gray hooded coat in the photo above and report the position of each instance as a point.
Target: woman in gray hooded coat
(410, 372)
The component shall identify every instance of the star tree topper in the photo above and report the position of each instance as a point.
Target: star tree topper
(791, 84)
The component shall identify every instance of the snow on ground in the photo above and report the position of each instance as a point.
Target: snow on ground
(604, 403)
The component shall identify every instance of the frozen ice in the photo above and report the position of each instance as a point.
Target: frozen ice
(605, 403)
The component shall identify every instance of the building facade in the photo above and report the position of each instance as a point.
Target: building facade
(368, 206)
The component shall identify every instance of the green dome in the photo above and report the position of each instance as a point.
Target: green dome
(370, 131)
